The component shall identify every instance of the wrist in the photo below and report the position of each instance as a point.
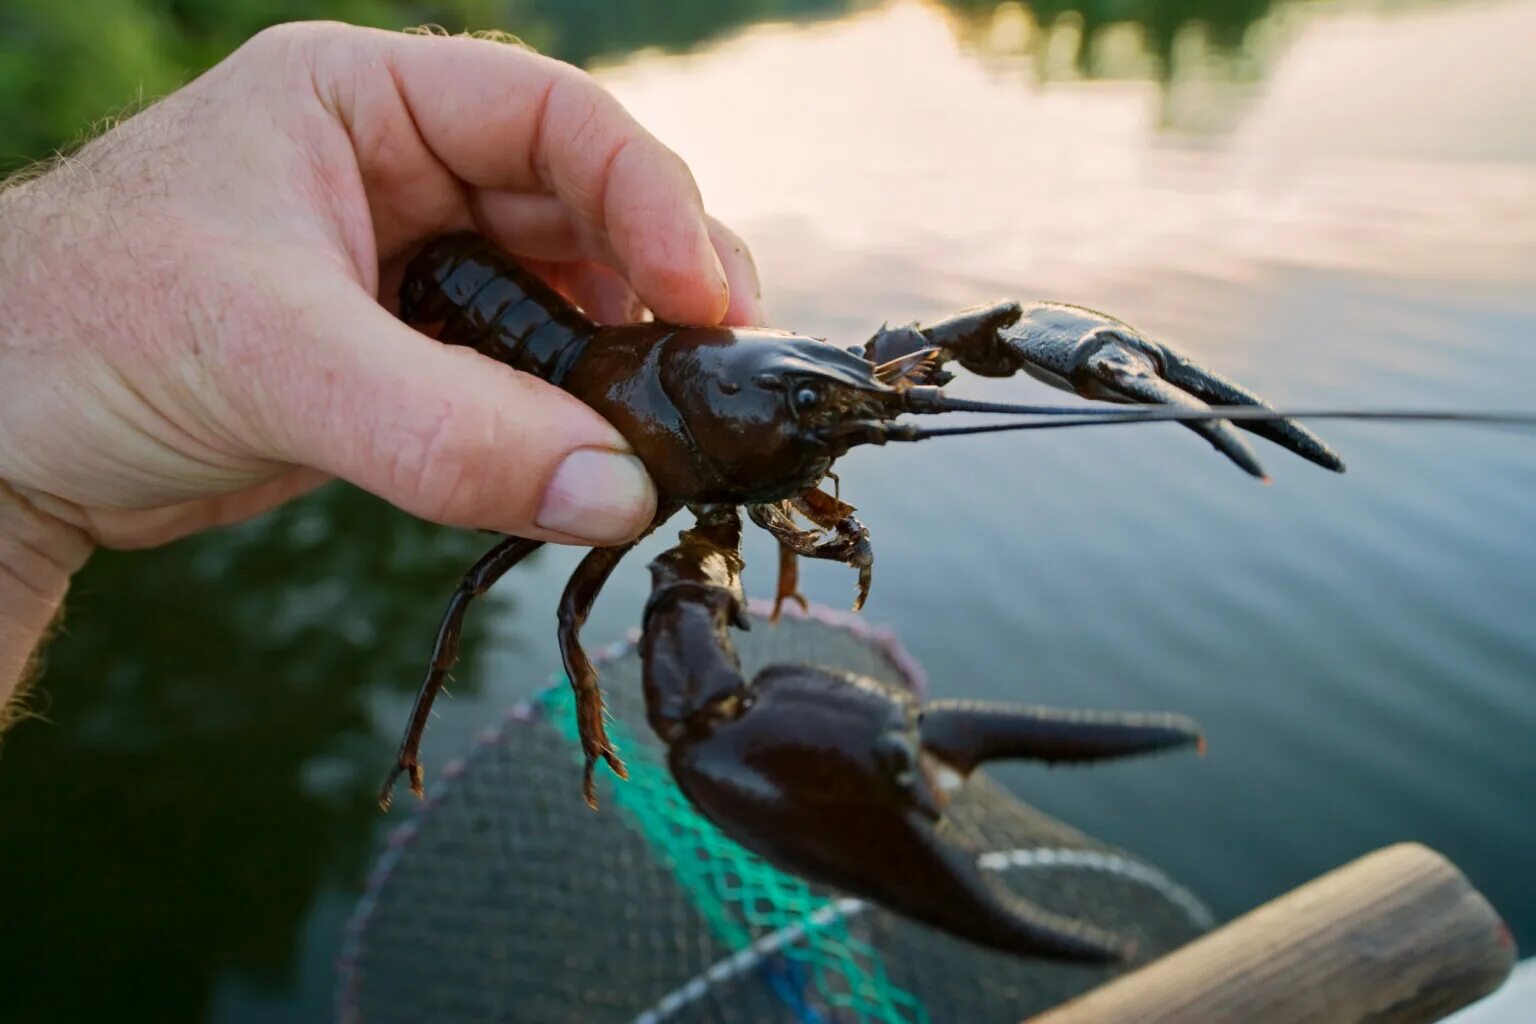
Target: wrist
(38, 555)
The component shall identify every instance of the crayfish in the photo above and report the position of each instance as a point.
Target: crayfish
(838, 778)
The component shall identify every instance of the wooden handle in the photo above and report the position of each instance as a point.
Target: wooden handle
(1396, 937)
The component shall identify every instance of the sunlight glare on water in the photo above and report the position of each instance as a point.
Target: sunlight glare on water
(1342, 212)
(887, 133)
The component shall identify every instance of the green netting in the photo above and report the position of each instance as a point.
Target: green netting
(730, 885)
(504, 898)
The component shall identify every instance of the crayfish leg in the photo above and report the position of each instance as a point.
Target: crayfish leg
(925, 366)
(837, 537)
(851, 542)
(789, 581)
(445, 651)
(576, 602)
(575, 605)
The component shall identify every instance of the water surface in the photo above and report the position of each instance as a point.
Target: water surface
(1335, 204)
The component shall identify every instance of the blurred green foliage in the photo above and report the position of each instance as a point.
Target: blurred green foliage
(67, 66)
(64, 67)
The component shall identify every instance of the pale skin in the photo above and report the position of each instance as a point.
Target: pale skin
(194, 309)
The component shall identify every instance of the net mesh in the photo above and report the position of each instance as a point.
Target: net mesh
(506, 899)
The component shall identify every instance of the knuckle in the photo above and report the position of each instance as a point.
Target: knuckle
(572, 79)
(298, 35)
(569, 75)
(283, 58)
(576, 108)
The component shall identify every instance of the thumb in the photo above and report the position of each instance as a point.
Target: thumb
(446, 433)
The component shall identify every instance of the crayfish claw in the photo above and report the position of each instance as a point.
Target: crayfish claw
(971, 904)
(1099, 357)
(838, 536)
(966, 734)
(842, 779)
(1214, 389)
(1131, 376)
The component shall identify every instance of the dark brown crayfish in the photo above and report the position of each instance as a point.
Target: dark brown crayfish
(835, 777)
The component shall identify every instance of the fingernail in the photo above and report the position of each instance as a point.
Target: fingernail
(597, 495)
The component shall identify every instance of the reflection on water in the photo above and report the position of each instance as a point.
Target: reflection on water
(887, 137)
(1302, 196)
(1139, 39)
(210, 756)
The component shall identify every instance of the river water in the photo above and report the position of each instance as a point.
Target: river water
(1332, 203)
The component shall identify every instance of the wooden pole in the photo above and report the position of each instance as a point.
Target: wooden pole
(1396, 937)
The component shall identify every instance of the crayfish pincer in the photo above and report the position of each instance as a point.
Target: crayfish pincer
(830, 775)
(841, 778)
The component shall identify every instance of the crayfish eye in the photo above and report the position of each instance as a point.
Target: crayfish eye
(897, 758)
(807, 397)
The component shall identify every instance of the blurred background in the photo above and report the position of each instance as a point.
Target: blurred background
(1333, 202)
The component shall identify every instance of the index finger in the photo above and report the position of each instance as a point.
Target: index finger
(500, 117)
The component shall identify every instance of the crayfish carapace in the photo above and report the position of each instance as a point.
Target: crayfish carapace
(833, 776)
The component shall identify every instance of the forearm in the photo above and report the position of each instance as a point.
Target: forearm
(38, 555)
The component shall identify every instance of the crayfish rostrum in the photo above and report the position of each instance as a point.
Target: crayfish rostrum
(836, 777)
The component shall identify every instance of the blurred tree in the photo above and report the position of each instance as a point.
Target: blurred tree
(1226, 22)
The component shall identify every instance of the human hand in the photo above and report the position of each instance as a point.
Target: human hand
(193, 325)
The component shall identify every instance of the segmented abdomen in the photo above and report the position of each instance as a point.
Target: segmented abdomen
(464, 291)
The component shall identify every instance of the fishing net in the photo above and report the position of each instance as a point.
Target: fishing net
(505, 898)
